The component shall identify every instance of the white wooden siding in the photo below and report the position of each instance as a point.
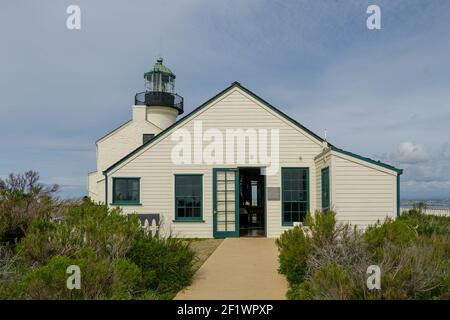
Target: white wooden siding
(122, 142)
(234, 110)
(362, 193)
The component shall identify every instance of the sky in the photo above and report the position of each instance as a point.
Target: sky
(383, 94)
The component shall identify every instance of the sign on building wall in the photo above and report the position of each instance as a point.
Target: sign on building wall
(273, 193)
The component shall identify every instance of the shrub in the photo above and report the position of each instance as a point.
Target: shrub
(118, 260)
(166, 263)
(330, 260)
(294, 248)
(23, 199)
(100, 279)
(420, 207)
(323, 226)
(127, 280)
(297, 245)
(414, 271)
(329, 282)
(390, 230)
(107, 232)
(425, 224)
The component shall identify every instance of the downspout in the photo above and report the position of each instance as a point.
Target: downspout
(106, 188)
(398, 192)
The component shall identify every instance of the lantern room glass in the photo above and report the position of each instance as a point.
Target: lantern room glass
(159, 82)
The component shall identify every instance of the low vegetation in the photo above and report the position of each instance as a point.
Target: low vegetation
(41, 236)
(328, 260)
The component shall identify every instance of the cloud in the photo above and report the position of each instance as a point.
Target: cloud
(314, 59)
(429, 178)
(411, 153)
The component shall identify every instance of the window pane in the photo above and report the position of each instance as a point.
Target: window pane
(287, 216)
(302, 206)
(126, 189)
(295, 194)
(188, 195)
(121, 187)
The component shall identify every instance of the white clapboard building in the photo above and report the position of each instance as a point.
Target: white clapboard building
(234, 166)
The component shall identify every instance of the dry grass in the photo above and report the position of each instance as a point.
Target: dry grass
(203, 248)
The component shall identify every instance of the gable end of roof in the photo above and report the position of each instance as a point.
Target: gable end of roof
(375, 162)
(196, 110)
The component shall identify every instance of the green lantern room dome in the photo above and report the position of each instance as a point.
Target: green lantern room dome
(159, 67)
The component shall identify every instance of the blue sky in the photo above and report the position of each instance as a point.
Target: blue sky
(383, 94)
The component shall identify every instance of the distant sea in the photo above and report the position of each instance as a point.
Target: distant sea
(431, 203)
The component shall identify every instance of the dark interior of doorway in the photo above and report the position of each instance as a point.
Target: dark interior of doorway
(251, 203)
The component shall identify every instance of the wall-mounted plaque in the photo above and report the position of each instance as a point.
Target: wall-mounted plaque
(273, 193)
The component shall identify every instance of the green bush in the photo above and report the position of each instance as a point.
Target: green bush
(415, 271)
(100, 279)
(396, 231)
(167, 264)
(425, 224)
(330, 282)
(127, 280)
(23, 199)
(294, 248)
(107, 232)
(118, 260)
(323, 226)
(329, 260)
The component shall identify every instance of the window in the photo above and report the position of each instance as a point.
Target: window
(126, 190)
(295, 194)
(147, 137)
(325, 189)
(188, 197)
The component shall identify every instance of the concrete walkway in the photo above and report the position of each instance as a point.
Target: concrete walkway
(240, 268)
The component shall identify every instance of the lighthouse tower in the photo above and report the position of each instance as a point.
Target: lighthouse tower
(154, 110)
(163, 104)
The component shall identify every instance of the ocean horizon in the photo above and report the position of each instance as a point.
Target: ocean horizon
(431, 203)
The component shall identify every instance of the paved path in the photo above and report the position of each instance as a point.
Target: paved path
(240, 268)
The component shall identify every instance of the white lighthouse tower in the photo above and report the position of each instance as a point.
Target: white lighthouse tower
(154, 110)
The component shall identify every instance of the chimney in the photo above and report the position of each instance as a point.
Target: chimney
(139, 113)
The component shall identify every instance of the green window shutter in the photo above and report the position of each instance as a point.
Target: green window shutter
(325, 189)
(294, 195)
(188, 197)
(147, 137)
(126, 190)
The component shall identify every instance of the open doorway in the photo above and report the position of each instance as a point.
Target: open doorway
(252, 219)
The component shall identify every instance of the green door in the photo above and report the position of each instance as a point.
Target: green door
(225, 203)
(325, 189)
